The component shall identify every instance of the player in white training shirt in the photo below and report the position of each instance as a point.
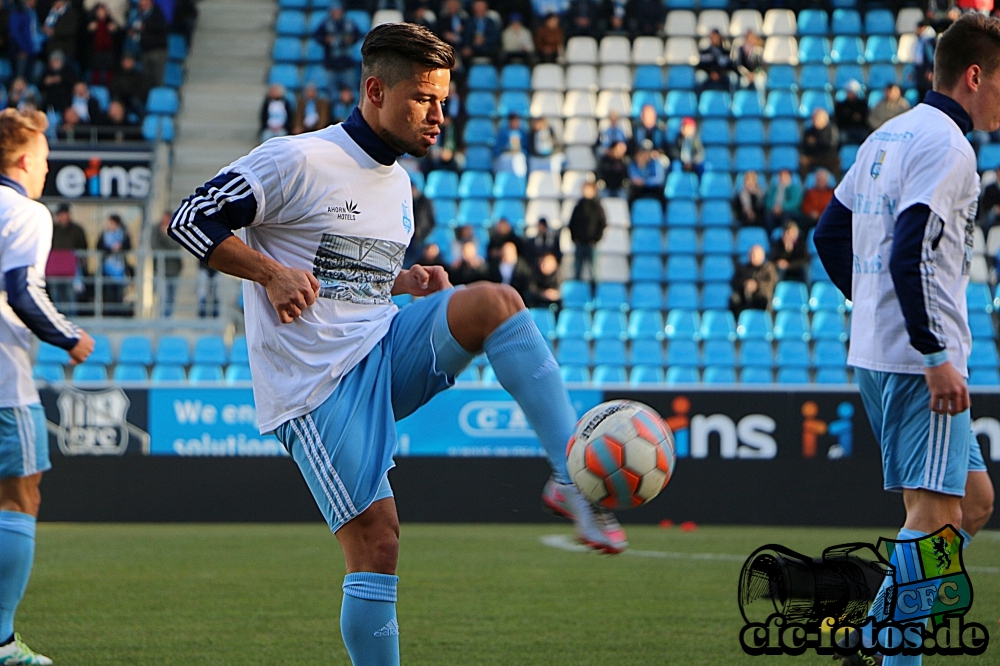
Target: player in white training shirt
(326, 219)
(897, 240)
(25, 308)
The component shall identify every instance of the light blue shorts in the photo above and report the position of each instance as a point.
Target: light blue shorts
(24, 441)
(344, 447)
(920, 449)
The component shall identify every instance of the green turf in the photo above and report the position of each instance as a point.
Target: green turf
(469, 594)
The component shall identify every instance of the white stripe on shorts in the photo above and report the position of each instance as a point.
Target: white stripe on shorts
(329, 465)
(330, 475)
(26, 430)
(944, 452)
(310, 455)
(929, 460)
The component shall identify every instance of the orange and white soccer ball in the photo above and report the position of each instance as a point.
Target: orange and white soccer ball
(621, 454)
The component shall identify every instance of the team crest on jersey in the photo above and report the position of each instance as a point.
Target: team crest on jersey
(349, 211)
(877, 164)
(407, 221)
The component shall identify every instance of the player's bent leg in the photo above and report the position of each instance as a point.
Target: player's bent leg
(368, 622)
(977, 505)
(493, 317)
(928, 511)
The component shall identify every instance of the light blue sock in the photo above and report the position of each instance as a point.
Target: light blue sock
(966, 538)
(901, 659)
(17, 552)
(525, 367)
(368, 619)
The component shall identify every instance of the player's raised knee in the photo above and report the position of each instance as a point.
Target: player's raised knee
(501, 302)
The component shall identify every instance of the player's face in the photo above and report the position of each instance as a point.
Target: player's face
(986, 113)
(37, 165)
(414, 110)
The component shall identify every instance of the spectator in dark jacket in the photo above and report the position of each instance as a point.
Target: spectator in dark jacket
(646, 16)
(275, 114)
(549, 39)
(510, 268)
(748, 203)
(469, 267)
(101, 34)
(482, 34)
(117, 125)
(545, 241)
(748, 61)
(586, 228)
(57, 83)
(150, 26)
(451, 24)
(500, 234)
(714, 60)
(789, 254)
(612, 170)
(64, 266)
(687, 149)
(989, 204)
(337, 35)
(312, 112)
(649, 128)
(545, 283)
(646, 175)
(21, 96)
(129, 86)
(583, 18)
(26, 38)
(820, 142)
(86, 107)
(753, 283)
(851, 115)
(61, 29)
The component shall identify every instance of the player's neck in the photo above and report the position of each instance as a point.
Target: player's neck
(953, 103)
(364, 129)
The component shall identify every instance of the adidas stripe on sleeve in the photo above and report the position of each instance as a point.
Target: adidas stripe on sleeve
(216, 209)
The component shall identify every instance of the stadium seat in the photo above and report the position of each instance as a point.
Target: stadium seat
(580, 131)
(755, 375)
(681, 267)
(681, 240)
(681, 51)
(781, 50)
(618, 101)
(681, 103)
(790, 295)
(780, 104)
(612, 79)
(645, 325)
(615, 49)
(648, 351)
(647, 51)
(576, 295)
(750, 158)
(717, 268)
(983, 354)
(545, 320)
(847, 49)
(779, 22)
(647, 374)
(713, 104)
(481, 103)
(648, 78)
(681, 185)
(784, 131)
(719, 375)
(682, 213)
(573, 374)
(717, 241)
(609, 325)
(831, 376)
(647, 296)
(813, 99)
(847, 21)
(609, 374)
(715, 131)
(829, 354)
(647, 268)
(102, 351)
(682, 375)
(715, 295)
(719, 353)
(51, 354)
(828, 325)
(516, 77)
(445, 214)
(210, 350)
(783, 157)
(749, 132)
(579, 103)
(978, 298)
(847, 155)
(717, 325)
(746, 104)
(287, 49)
(747, 237)
(475, 184)
(474, 212)
(314, 54)
(792, 354)
(48, 372)
(90, 372)
(681, 23)
(845, 73)
(880, 22)
(479, 158)
(172, 350)
(292, 23)
(683, 353)
(881, 48)
(479, 131)
(168, 373)
(814, 22)
(582, 77)
(240, 372)
(441, 185)
(611, 296)
(680, 77)
(755, 353)
(581, 49)
(984, 377)
(284, 74)
(814, 77)
(881, 75)
(817, 272)
(793, 376)
(743, 20)
(573, 324)
(205, 374)
(238, 351)
(779, 77)
(483, 77)
(989, 156)
(682, 295)
(814, 51)
(718, 159)
(573, 352)
(158, 128)
(755, 325)
(715, 185)
(791, 325)
(511, 210)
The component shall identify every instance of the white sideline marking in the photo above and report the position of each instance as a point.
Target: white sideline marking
(566, 542)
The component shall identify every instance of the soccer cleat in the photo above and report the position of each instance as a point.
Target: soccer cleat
(596, 527)
(16, 653)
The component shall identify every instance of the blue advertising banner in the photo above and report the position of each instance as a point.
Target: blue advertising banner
(476, 422)
(206, 422)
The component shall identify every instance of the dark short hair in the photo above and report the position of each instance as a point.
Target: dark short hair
(392, 50)
(974, 39)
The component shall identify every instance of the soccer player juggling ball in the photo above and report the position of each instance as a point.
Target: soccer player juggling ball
(897, 240)
(25, 308)
(326, 218)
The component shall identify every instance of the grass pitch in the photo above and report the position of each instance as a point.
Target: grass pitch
(469, 595)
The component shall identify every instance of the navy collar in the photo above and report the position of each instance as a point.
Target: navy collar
(357, 128)
(953, 109)
(13, 184)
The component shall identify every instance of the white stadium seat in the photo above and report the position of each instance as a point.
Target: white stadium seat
(581, 77)
(978, 241)
(907, 19)
(387, 16)
(615, 50)
(907, 48)
(616, 240)
(546, 103)
(580, 158)
(781, 50)
(617, 212)
(680, 23)
(615, 77)
(580, 131)
(681, 51)
(547, 209)
(743, 20)
(713, 19)
(647, 51)
(580, 103)
(611, 267)
(572, 183)
(543, 185)
(613, 100)
(979, 271)
(993, 241)
(779, 22)
(566, 210)
(548, 76)
(581, 50)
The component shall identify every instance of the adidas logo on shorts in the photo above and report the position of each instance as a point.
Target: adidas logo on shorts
(390, 629)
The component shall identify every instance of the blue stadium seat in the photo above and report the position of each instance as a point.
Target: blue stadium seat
(792, 353)
(210, 350)
(611, 296)
(814, 50)
(756, 353)
(48, 372)
(202, 373)
(646, 296)
(784, 131)
(545, 320)
(881, 75)
(714, 104)
(989, 156)
(441, 185)
(719, 375)
(829, 354)
(475, 212)
(791, 325)
(573, 352)
(717, 241)
(996, 298)
(814, 77)
(812, 99)
(172, 349)
(847, 154)
(847, 21)
(719, 352)
(984, 377)
(475, 184)
(483, 77)
(978, 298)
(749, 132)
(813, 22)
(717, 268)
(780, 104)
(817, 272)
(983, 354)
(317, 75)
(793, 376)
(746, 104)
(715, 186)
(609, 325)
(287, 49)
(716, 213)
(648, 77)
(828, 325)
(779, 77)
(291, 23)
(515, 77)
(238, 351)
(163, 101)
(239, 372)
(609, 374)
(514, 101)
(715, 131)
(683, 353)
(90, 372)
(880, 22)
(481, 103)
(511, 210)
(507, 185)
(682, 213)
(681, 267)
(682, 295)
(479, 158)
(715, 295)
(302, 5)
(445, 214)
(573, 324)
(647, 268)
(102, 351)
(680, 77)
(468, 376)
(750, 158)
(417, 180)
(573, 374)
(641, 98)
(647, 213)
(717, 325)
(790, 295)
(718, 159)
(682, 324)
(755, 375)
(645, 325)
(576, 295)
(881, 48)
(755, 325)
(680, 103)
(314, 54)
(158, 128)
(747, 237)
(647, 374)
(479, 131)
(783, 157)
(282, 74)
(981, 325)
(51, 354)
(847, 49)
(681, 375)
(646, 351)
(168, 372)
(680, 240)
(681, 185)
(831, 376)
(846, 73)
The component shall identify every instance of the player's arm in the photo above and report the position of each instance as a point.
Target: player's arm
(915, 239)
(26, 296)
(835, 244)
(204, 225)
